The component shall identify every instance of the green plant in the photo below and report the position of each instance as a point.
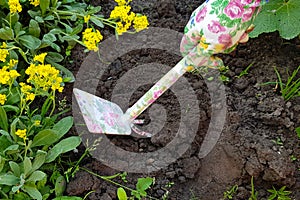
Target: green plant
(254, 193)
(24, 154)
(229, 193)
(140, 191)
(291, 88)
(28, 28)
(245, 71)
(298, 132)
(278, 15)
(223, 71)
(278, 141)
(293, 158)
(280, 194)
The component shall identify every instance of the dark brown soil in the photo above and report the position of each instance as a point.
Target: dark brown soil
(257, 116)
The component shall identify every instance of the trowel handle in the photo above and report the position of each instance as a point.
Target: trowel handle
(160, 87)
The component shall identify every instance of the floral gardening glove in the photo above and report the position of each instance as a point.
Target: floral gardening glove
(217, 26)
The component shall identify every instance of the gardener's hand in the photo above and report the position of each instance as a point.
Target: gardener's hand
(216, 27)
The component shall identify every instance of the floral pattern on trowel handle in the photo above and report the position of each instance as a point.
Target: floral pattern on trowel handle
(217, 26)
(165, 83)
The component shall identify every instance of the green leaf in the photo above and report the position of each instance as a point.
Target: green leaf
(77, 29)
(12, 149)
(121, 194)
(21, 196)
(30, 42)
(6, 33)
(44, 5)
(14, 97)
(60, 186)
(63, 126)
(3, 121)
(63, 146)
(33, 192)
(12, 18)
(15, 168)
(94, 10)
(281, 16)
(144, 183)
(54, 57)
(49, 38)
(298, 131)
(70, 38)
(97, 22)
(49, 18)
(36, 176)
(34, 28)
(39, 160)
(17, 27)
(33, 14)
(9, 108)
(45, 137)
(27, 166)
(39, 19)
(2, 163)
(9, 179)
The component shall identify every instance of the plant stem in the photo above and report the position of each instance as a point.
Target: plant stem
(113, 182)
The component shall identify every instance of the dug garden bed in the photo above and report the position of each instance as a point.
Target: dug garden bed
(258, 139)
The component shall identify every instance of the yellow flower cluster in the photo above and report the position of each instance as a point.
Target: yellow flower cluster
(86, 18)
(2, 99)
(140, 22)
(125, 18)
(21, 133)
(91, 39)
(44, 76)
(3, 54)
(40, 58)
(7, 74)
(27, 90)
(14, 6)
(35, 2)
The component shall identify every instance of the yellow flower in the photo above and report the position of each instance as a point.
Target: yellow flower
(125, 17)
(40, 58)
(21, 133)
(4, 45)
(12, 63)
(27, 91)
(37, 122)
(2, 99)
(7, 75)
(120, 12)
(91, 39)
(14, 6)
(87, 18)
(3, 54)
(140, 22)
(43, 77)
(35, 2)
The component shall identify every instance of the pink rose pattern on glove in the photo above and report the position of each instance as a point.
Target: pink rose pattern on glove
(217, 26)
